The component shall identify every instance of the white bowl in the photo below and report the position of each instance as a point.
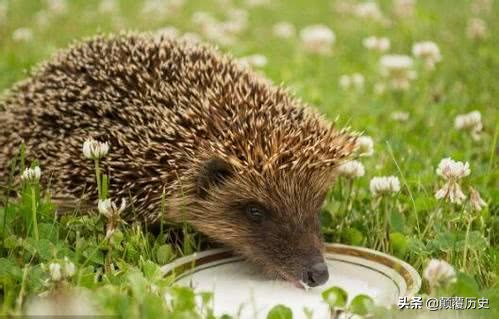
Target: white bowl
(239, 287)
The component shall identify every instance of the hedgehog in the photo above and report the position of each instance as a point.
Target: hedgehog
(241, 160)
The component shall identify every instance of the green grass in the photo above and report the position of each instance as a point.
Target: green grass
(418, 226)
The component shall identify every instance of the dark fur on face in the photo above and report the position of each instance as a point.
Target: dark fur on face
(272, 219)
(240, 159)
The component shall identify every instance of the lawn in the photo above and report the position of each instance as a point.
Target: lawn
(432, 103)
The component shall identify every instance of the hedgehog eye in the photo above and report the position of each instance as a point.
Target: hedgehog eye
(255, 213)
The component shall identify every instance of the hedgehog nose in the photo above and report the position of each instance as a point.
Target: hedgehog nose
(316, 275)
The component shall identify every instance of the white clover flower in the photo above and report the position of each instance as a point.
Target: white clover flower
(69, 268)
(112, 212)
(257, 3)
(400, 116)
(368, 10)
(376, 44)
(439, 272)
(22, 35)
(57, 6)
(404, 8)
(191, 37)
(284, 30)
(109, 208)
(160, 8)
(222, 32)
(351, 169)
(173, 6)
(232, 27)
(481, 6)
(254, 60)
(4, 8)
(452, 192)
(317, 39)
(379, 88)
(61, 271)
(167, 33)
(105, 207)
(427, 51)
(219, 33)
(471, 122)
(468, 121)
(476, 201)
(202, 19)
(358, 80)
(398, 70)
(95, 150)
(355, 80)
(364, 146)
(42, 18)
(476, 29)
(236, 14)
(108, 6)
(224, 3)
(344, 6)
(396, 62)
(32, 175)
(237, 20)
(55, 271)
(384, 185)
(453, 170)
(345, 81)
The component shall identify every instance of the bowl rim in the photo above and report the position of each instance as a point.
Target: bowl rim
(402, 268)
(189, 264)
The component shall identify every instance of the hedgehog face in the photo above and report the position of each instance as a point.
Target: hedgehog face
(271, 219)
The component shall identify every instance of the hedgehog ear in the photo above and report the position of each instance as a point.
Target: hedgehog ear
(213, 172)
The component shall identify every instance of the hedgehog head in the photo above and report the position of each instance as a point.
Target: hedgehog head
(265, 204)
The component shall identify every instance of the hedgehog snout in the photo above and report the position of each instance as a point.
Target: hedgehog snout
(316, 274)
